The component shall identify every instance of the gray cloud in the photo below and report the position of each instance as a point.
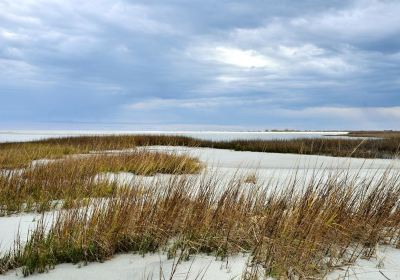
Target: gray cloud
(225, 63)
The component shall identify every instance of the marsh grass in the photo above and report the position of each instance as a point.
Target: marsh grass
(377, 134)
(251, 178)
(386, 147)
(19, 155)
(295, 230)
(290, 232)
(41, 186)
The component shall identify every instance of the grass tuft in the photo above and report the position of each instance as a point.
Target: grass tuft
(44, 186)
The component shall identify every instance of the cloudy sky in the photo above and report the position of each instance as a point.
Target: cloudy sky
(168, 64)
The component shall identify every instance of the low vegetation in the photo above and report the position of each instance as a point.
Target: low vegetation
(377, 134)
(18, 155)
(290, 232)
(300, 229)
(41, 185)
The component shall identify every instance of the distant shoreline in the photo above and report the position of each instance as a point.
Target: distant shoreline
(56, 132)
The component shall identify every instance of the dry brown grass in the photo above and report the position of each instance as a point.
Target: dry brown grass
(378, 134)
(290, 232)
(40, 186)
(387, 147)
(19, 155)
(251, 179)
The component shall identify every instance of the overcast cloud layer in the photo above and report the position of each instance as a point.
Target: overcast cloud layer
(259, 64)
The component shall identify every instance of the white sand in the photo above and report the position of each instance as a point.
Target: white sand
(130, 267)
(267, 166)
(10, 226)
(268, 161)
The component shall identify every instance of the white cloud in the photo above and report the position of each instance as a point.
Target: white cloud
(14, 71)
(134, 17)
(272, 66)
(366, 20)
(324, 47)
(231, 56)
(195, 103)
(242, 58)
(308, 57)
(50, 37)
(306, 50)
(158, 103)
(7, 35)
(360, 21)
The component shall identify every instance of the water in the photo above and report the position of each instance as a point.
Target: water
(19, 136)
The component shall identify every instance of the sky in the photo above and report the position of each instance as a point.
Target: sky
(199, 65)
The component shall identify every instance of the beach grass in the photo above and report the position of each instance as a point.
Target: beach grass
(42, 185)
(289, 232)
